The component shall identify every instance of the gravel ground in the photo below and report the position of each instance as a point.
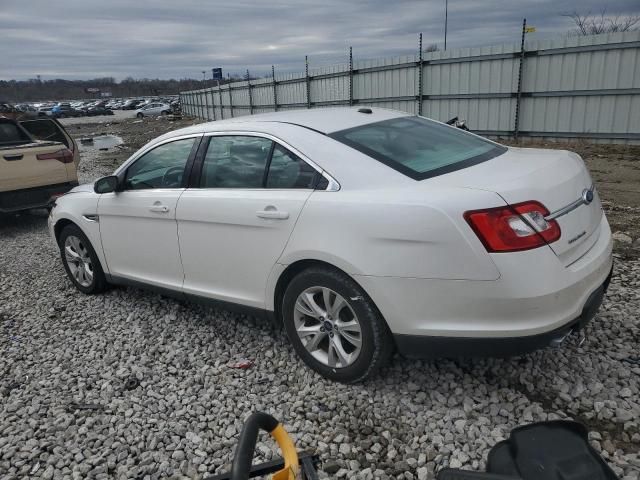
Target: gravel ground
(134, 385)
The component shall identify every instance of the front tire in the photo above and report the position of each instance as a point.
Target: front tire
(140, 116)
(334, 326)
(80, 261)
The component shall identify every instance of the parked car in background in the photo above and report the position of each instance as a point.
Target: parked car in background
(131, 104)
(26, 111)
(361, 230)
(17, 112)
(38, 163)
(99, 110)
(45, 112)
(63, 110)
(153, 110)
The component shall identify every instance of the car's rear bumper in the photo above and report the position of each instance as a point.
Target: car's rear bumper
(28, 198)
(415, 346)
(535, 298)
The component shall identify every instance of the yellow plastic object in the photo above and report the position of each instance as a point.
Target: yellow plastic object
(291, 468)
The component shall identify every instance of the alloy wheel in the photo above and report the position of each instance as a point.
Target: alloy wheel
(78, 260)
(328, 327)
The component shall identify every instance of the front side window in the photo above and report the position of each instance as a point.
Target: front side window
(419, 148)
(235, 162)
(162, 167)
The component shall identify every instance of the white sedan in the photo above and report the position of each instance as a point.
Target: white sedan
(153, 110)
(360, 230)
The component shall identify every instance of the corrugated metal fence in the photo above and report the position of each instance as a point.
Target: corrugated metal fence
(578, 87)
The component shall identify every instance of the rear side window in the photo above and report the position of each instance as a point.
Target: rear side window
(11, 134)
(287, 170)
(238, 161)
(235, 162)
(419, 148)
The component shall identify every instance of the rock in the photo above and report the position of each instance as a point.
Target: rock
(184, 417)
(622, 237)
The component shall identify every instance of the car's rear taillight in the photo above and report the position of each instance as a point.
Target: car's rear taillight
(514, 227)
(64, 155)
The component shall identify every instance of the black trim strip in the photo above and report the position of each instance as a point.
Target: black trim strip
(34, 197)
(265, 174)
(179, 295)
(196, 170)
(188, 168)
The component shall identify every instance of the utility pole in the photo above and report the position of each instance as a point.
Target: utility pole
(204, 78)
(446, 20)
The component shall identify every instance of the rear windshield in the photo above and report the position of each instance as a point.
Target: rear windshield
(45, 129)
(11, 134)
(419, 148)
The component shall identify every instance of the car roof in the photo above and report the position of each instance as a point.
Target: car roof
(322, 120)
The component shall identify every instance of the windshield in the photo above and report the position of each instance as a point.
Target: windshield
(419, 148)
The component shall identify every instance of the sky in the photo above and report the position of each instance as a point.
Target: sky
(81, 39)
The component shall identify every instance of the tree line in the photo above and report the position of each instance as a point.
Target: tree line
(17, 91)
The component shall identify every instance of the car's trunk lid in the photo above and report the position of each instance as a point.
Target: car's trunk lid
(21, 169)
(556, 178)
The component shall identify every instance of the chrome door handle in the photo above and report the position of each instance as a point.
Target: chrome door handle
(272, 214)
(159, 208)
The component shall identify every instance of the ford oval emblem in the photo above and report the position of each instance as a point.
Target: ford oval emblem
(587, 196)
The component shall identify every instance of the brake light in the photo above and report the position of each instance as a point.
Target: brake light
(64, 155)
(514, 227)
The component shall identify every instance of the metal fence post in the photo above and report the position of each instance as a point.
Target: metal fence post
(350, 76)
(230, 101)
(516, 129)
(206, 103)
(420, 63)
(213, 104)
(306, 73)
(220, 98)
(250, 97)
(275, 89)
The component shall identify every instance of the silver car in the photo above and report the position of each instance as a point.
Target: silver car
(153, 109)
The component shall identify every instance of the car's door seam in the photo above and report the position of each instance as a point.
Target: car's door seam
(286, 244)
(178, 237)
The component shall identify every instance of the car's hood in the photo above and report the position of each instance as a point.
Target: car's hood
(84, 188)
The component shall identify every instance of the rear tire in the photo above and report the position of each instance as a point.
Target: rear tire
(140, 115)
(80, 261)
(164, 113)
(342, 336)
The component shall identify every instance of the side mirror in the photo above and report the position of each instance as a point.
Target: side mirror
(106, 184)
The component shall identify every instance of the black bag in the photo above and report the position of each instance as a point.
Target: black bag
(554, 450)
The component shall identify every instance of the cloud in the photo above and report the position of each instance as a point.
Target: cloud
(177, 39)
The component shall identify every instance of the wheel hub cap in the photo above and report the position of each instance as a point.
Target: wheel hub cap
(328, 327)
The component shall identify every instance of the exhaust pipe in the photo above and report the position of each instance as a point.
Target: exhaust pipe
(559, 340)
